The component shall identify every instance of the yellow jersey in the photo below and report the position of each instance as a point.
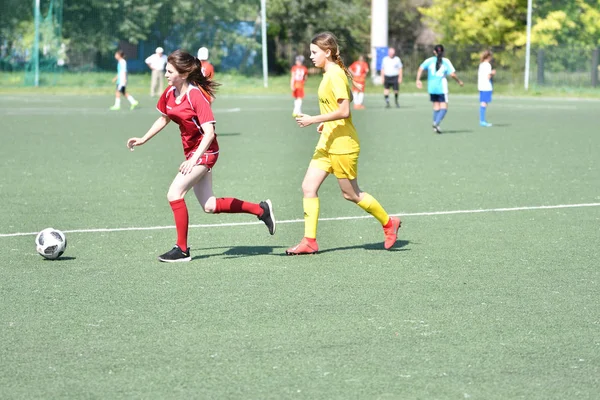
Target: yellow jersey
(339, 136)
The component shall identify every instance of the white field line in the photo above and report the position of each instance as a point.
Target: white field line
(294, 221)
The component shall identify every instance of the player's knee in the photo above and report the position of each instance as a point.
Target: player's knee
(210, 205)
(173, 195)
(308, 190)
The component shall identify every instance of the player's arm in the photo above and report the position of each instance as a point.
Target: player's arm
(292, 81)
(207, 139)
(455, 77)
(156, 127)
(419, 73)
(400, 72)
(342, 112)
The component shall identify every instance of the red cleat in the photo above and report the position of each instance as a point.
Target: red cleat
(306, 246)
(391, 233)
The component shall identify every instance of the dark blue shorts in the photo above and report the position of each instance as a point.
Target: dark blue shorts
(485, 97)
(438, 98)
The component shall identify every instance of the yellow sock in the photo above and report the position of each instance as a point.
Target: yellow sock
(311, 216)
(372, 206)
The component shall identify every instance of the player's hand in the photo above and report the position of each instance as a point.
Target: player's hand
(320, 127)
(419, 85)
(114, 79)
(461, 83)
(132, 142)
(304, 120)
(187, 166)
(359, 86)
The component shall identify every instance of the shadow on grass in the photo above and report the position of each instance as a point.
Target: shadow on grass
(457, 131)
(229, 134)
(62, 259)
(238, 251)
(399, 246)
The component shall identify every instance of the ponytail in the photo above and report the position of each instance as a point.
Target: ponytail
(197, 78)
(439, 52)
(338, 60)
(186, 63)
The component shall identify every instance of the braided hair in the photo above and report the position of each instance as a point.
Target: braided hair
(185, 63)
(328, 41)
(439, 52)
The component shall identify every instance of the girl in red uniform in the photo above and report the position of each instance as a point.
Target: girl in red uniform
(187, 102)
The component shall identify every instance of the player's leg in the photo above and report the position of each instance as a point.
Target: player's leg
(345, 168)
(316, 174)
(436, 110)
(396, 90)
(443, 110)
(177, 191)
(204, 193)
(386, 92)
(132, 101)
(485, 98)
(117, 105)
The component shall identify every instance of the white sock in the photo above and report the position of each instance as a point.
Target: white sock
(130, 99)
(360, 97)
(117, 102)
(298, 106)
(356, 99)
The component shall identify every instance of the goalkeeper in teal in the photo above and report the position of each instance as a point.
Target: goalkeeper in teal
(437, 85)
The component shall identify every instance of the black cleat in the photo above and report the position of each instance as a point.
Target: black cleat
(397, 105)
(175, 255)
(387, 105)
(436, 129)
(268, 216)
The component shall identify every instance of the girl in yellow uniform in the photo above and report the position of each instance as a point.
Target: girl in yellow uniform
(338, 147)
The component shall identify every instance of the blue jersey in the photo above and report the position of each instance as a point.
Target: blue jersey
(436, 80)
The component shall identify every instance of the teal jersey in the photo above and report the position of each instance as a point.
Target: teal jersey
(437, 78)
(122, 73)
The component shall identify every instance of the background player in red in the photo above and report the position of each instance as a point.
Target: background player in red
(359, 70)
(207, 68)
(186, 103)
(299, 75)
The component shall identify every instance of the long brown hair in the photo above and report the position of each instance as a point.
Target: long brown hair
(484, 55)
(185, 63)
(328, 41)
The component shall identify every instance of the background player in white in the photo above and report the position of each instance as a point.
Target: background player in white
(484, 85)
(391, 75)
(157, 62)
(121, 80)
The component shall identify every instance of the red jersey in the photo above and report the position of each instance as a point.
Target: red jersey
(299, 74)
(359, 70)
(190, 114)
(207, 69)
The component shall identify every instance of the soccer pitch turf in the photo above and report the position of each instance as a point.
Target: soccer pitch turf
(492, 291)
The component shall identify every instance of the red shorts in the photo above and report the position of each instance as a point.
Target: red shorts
(360, 88)
(298, 93)
(207, 159)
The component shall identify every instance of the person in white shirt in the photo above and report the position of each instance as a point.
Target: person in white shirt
(484, 85)
(157, 62)
(391, 75)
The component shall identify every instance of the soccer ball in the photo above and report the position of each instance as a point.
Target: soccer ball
(50, 243)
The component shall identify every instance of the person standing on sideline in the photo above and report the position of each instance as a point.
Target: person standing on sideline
(485, 86)
(207, 68)
(359, 70)
(299, 75)
(391, 75)
(337, 150)
(121, 80)
(157, 62)
(186, 101)
(437, 68)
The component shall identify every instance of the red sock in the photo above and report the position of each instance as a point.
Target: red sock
(180, 212)
(235, 206)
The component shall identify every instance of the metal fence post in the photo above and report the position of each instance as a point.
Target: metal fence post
(595, 61)
(540, 66)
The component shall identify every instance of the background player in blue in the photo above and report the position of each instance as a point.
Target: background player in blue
(485, 74)
(437, 68)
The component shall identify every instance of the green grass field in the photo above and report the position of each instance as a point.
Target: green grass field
(492, 291)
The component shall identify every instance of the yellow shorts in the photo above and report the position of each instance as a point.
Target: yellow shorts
(343, 166)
